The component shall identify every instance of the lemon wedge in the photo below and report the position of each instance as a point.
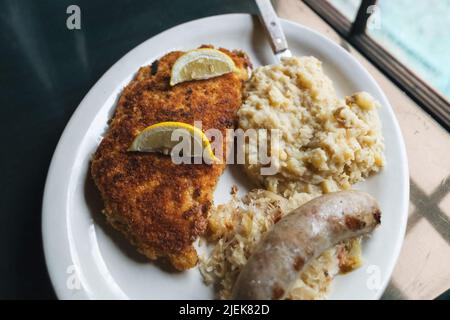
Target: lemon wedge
(200, 64)
(158, 138)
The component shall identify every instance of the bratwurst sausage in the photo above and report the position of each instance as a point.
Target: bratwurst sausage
(300, 236)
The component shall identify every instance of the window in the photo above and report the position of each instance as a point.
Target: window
(419, 36)
(349, 8)
(408, 41)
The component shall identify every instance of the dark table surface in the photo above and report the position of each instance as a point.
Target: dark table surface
(45, 71)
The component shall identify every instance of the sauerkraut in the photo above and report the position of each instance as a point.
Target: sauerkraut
(235, 228)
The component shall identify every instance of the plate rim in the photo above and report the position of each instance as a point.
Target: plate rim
(51, 185)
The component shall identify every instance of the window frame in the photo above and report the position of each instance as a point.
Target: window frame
(427, 97)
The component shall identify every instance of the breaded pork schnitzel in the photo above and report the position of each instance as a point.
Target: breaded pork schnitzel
(159, 206)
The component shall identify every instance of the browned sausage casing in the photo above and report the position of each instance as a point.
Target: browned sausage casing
(300, 236)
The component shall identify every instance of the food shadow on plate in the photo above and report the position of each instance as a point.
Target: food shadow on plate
(95, 205)
(112, 109)
(242, 180)
(261, 46)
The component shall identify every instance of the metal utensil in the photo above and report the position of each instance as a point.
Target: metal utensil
(273, 28)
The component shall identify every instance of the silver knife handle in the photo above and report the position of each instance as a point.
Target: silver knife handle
(272, 26)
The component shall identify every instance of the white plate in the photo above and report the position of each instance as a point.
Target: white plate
(88, 260)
